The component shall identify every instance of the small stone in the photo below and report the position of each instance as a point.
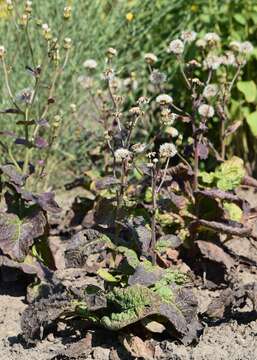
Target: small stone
(100, 353)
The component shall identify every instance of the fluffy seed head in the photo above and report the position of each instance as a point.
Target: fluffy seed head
(206, 111)
(188, 36)
(122, 154)
(176, 47)
(212, 62)
(90, 64)
(157, 77)
(246, 47)
(167, 150)
(164, 99)
(150, 58)
(210, 90)
(212, 38)
(2, 51)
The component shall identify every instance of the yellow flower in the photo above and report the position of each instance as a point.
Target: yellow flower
(129, 16)
(194, 7)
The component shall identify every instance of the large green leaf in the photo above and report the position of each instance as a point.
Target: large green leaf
(17, 235)
(252, 122)
(249, 89)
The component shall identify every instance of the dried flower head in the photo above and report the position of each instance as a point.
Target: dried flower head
(157, 77)
(2, 52)
(90, 64)
(167, 117)
(67, 12)
(111, 52)
(67, 43)
(109, 74)
(167, 150)
(210, 90)
(138, 148)
(24, 19)
(25, 95)
(246, 47)
(176, 47)
(150, 58)
(188, 36)
(206, 111)
(143, 100)
(173, 132)
(212, 38)
(47, 33)
(164, 99)
(135, 110)
(122, 154)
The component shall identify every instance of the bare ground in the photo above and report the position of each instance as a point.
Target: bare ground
(234, 339)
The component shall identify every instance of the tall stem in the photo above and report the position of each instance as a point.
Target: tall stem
(153, 220)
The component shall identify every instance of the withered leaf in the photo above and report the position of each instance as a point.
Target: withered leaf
(11, 172)
(215, 253)
(33, 268)
(233, 128)
(202, 151)
(17, 235)
(106, 182)
(137, 347)
(47, 202)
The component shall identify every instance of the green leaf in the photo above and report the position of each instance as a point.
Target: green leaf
(207, 178)
(234, 211)
(240, 19)
(252, 122)
(104, 274)
(248, 88)
(230, 174)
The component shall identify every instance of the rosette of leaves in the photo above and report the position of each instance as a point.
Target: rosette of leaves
(227, 176)
(24, 224)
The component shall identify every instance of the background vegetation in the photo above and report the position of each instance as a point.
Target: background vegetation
(133, 28)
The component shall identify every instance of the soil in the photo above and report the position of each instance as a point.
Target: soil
(233, 339)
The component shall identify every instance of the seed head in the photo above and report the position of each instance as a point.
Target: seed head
(206, 111)
(188, 36)
(157, 77)
(210, 90)
(90, 64)
(138, 148)
(212, 39)
(111, 52)
(176, 47)
(150, 58)
(122, 154)
(246, 47)
(167, 150)
(164, 99)
(201, 43)
(212, 62)
(67, 43)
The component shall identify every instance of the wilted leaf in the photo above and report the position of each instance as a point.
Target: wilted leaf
(47, 202)
(13, 175)
(17, 235)
(32, 267)
(153, 326)
(234, 229)
(168, 241)
(106, 182)
(215, 253)
(144, 275)
(233, 128)
(137, 347)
